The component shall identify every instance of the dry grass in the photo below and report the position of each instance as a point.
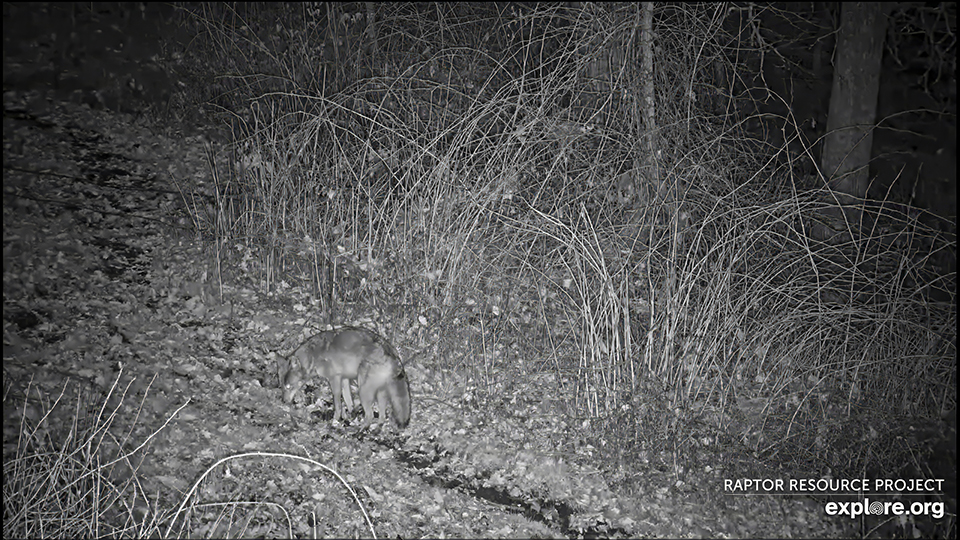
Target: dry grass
(508, 193)
(70, 476)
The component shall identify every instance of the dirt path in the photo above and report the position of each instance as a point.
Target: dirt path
(108, 294)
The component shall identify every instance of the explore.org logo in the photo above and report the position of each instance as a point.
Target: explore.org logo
(846, 487)
(889, 508)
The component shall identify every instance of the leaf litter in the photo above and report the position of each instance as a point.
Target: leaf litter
(110, 300)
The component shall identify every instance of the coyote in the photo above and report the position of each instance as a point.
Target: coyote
(351, 353)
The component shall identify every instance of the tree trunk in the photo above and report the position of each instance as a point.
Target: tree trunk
(853, 99)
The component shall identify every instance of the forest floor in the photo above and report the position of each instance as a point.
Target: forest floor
(111, 302)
